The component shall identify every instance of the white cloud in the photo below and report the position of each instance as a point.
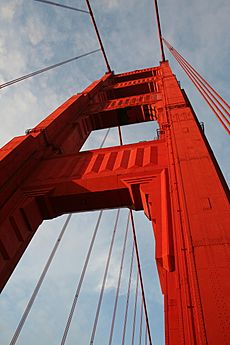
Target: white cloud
(9, 8)
(35, 30)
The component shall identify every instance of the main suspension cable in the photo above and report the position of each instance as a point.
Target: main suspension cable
(119, 282)
(199, 83)
(128, 296)
(135, 309)
(216, 110)
(39, 283)
(82, 276)
(159, 30)
(198, 74)
(104, 279)
(203, 88)
(26, 76)
(98, 36)
(64, 6)
(210, 90)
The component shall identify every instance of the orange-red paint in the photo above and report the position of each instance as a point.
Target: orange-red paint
(175, 180)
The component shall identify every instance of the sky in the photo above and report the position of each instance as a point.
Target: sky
(35, 35)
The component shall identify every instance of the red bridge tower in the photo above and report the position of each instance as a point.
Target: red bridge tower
(174, 179)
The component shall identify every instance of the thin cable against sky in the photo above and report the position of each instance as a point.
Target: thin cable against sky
(63, 6)
(26, 76)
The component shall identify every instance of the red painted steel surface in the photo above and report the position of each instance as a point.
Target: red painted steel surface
(175, 180)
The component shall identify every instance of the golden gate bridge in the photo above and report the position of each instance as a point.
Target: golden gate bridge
(154, 176)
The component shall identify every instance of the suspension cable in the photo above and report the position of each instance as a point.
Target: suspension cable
(140, 277)
(105, 137)
(159, 30)
(203, 87)
(141, 320)
(206, 96)
(39, 283)
(128, 295)
(46, 268)
(146, 338)
(119, 282)
(104, 279)
(81, 280)
(200, 84)
(208, 93)
(98, 36)
(26, 76)
(138, 259)
(64, 6)
(199, 75)
(135, 309)
(82, 276)
(204, 83)
(120, 135)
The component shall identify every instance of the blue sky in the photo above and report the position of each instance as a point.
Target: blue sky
(35, 35)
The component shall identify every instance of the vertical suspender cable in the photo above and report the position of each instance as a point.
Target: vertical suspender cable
(44, 272)
(120, 135)
(141, 319)
(82, 276)
(98, 36)
(119, 282)
(146, 338)
(140, 277)
(128, 295)
(135, 309)
(105, 137)
(81, 281)
(39, 283)
(104, 279)
(138, 260)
